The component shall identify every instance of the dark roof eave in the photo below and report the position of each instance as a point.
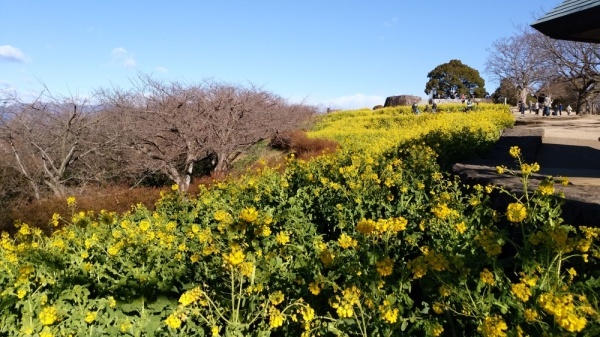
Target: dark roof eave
(583, 26)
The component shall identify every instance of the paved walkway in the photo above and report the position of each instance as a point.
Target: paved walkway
(570, 146)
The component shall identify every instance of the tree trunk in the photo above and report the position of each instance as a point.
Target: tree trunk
(222, 163)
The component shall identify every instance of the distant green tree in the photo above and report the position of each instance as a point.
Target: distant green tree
(454, 79)
(506, 90)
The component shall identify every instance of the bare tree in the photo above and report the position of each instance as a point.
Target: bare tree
(45, 138)
(576, 63)
(517, 60)
(173, 126)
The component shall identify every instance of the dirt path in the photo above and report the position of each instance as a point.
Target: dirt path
(570, 146)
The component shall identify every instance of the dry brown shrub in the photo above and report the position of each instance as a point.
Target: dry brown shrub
(114, 199)
(298, 143)
(307, 148)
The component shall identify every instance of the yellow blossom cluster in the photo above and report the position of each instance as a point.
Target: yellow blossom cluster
(385, 267)
(489, 242)
(345, 241)
(48, 315)
(173, 321)
(516, 212)
(191, 296)
(563, 308)
(443, 212)
(437, 330)
(249, 214)
(223, 217)
(382, 226)
(235, 256)
(487, 277)
(388, 312)
(529, 168)
(515, 152)
(344, 305)
(521, 291)
(314, 288)
(493, 326)
(277, 297)
(430, 260)
(530, 315)
(276, 318)
(282, 238)
(546, 187)
(558, 238)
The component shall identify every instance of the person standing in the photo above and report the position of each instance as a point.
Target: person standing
(537, 108)
(547, 105)
(415, 109)
(569, 109)
(560, 107)
(521, 107)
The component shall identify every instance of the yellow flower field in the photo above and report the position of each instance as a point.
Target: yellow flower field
(378, 239)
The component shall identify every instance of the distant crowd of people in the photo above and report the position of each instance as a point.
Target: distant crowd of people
(546, 108)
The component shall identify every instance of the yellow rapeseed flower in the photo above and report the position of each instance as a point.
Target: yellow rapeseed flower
(461, 227)
(235, 256)
(346, 241)
(249, 214)
(90, 317)
(516, 212)
(126, 325)
(112, 303)
(389, 315)
(282, 238)
(71, 201)
(546, 187)
(445, 290)
(493, 326)
(55, 219)
(173, 321)
(385, 267)
(277, 297)
(521, 291)
(487, 277)
(515, 151)
(46, 332)
(530, 315)
(48, 315)
(438, 308)
(222, 216)
(437, 330)
(144, 225)
(190, 296)
(314, 288)
(276, 318)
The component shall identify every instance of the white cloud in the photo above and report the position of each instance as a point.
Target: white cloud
(356, 101)
(391, 23)
(161, 69)
(12, 54)
(120, 56)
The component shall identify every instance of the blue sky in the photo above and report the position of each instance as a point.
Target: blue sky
(339, 54)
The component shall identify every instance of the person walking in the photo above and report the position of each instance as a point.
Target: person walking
(537, 108)
(560, 107)
(569, 109)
